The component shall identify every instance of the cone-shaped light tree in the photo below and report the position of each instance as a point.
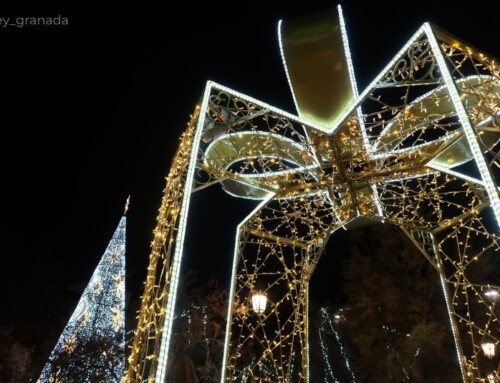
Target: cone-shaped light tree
(97, 322)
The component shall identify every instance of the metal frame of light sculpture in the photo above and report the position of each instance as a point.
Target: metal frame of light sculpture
(418, 149)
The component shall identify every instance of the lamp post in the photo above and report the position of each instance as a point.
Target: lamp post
(259, 302)
(489, 349)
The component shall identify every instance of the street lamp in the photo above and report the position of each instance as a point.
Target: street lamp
(488, 349)
(492, 294)
(259, 302)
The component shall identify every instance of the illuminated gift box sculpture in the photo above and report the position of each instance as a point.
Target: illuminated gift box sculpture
(418, 148)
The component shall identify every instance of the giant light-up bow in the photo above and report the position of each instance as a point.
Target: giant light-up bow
(418, 148)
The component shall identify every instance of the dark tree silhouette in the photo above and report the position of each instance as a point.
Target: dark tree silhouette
(394, 325)
(15, 359)
(201, 316)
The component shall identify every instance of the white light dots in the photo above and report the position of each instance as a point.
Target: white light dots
(100, 311)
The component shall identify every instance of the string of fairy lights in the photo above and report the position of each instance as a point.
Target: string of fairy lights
(327, 325)
(145, 348)
(423, 155)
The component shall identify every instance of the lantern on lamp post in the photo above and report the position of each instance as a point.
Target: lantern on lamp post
(259, 302)
(488, 349)
(492, 294)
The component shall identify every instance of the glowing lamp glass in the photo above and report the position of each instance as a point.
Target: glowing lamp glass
(493, 294)
(491, 378)
(259, 302)
(488, 349)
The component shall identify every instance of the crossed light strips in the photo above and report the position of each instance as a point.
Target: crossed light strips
(419, 148)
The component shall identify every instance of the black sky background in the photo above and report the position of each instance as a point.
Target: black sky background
(91, 112)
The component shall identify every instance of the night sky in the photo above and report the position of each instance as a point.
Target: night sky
(91, 112)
